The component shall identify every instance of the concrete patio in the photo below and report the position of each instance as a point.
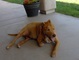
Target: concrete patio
(13, 18)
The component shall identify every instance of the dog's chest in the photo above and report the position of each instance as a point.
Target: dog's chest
(47, 40)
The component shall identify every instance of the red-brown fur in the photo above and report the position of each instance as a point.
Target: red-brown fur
(39, 31)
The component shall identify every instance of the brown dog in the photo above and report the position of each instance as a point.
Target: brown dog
(39, 31)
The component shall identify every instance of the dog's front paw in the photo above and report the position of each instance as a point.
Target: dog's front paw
(18, 46)
(41, 44)
(53, 54)
(7, 47)
(48, 41)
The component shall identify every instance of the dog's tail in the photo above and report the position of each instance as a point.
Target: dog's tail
(13, 34)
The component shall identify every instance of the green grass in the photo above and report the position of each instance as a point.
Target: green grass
(68, 7)
(69, 1)
(15, 1)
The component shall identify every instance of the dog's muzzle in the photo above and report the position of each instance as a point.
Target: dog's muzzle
(54, 35)
(52, 38)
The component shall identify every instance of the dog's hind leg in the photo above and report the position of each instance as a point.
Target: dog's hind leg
(13, 41)
(20, 34)
(22, 42)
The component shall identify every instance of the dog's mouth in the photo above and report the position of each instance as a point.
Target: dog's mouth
(52, 39)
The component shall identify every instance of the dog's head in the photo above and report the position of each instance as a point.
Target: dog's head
(48, 30)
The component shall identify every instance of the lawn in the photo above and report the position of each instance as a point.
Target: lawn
(68, 7)
(15, 1)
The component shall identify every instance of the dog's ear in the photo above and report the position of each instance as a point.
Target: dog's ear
(49, 21)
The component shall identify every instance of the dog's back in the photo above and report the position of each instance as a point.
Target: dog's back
(32, 28)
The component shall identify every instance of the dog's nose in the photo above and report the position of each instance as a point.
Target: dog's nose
(54, 35)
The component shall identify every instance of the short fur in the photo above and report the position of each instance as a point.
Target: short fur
(39, 31)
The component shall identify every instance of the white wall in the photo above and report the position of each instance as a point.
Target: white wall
(47, 6)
